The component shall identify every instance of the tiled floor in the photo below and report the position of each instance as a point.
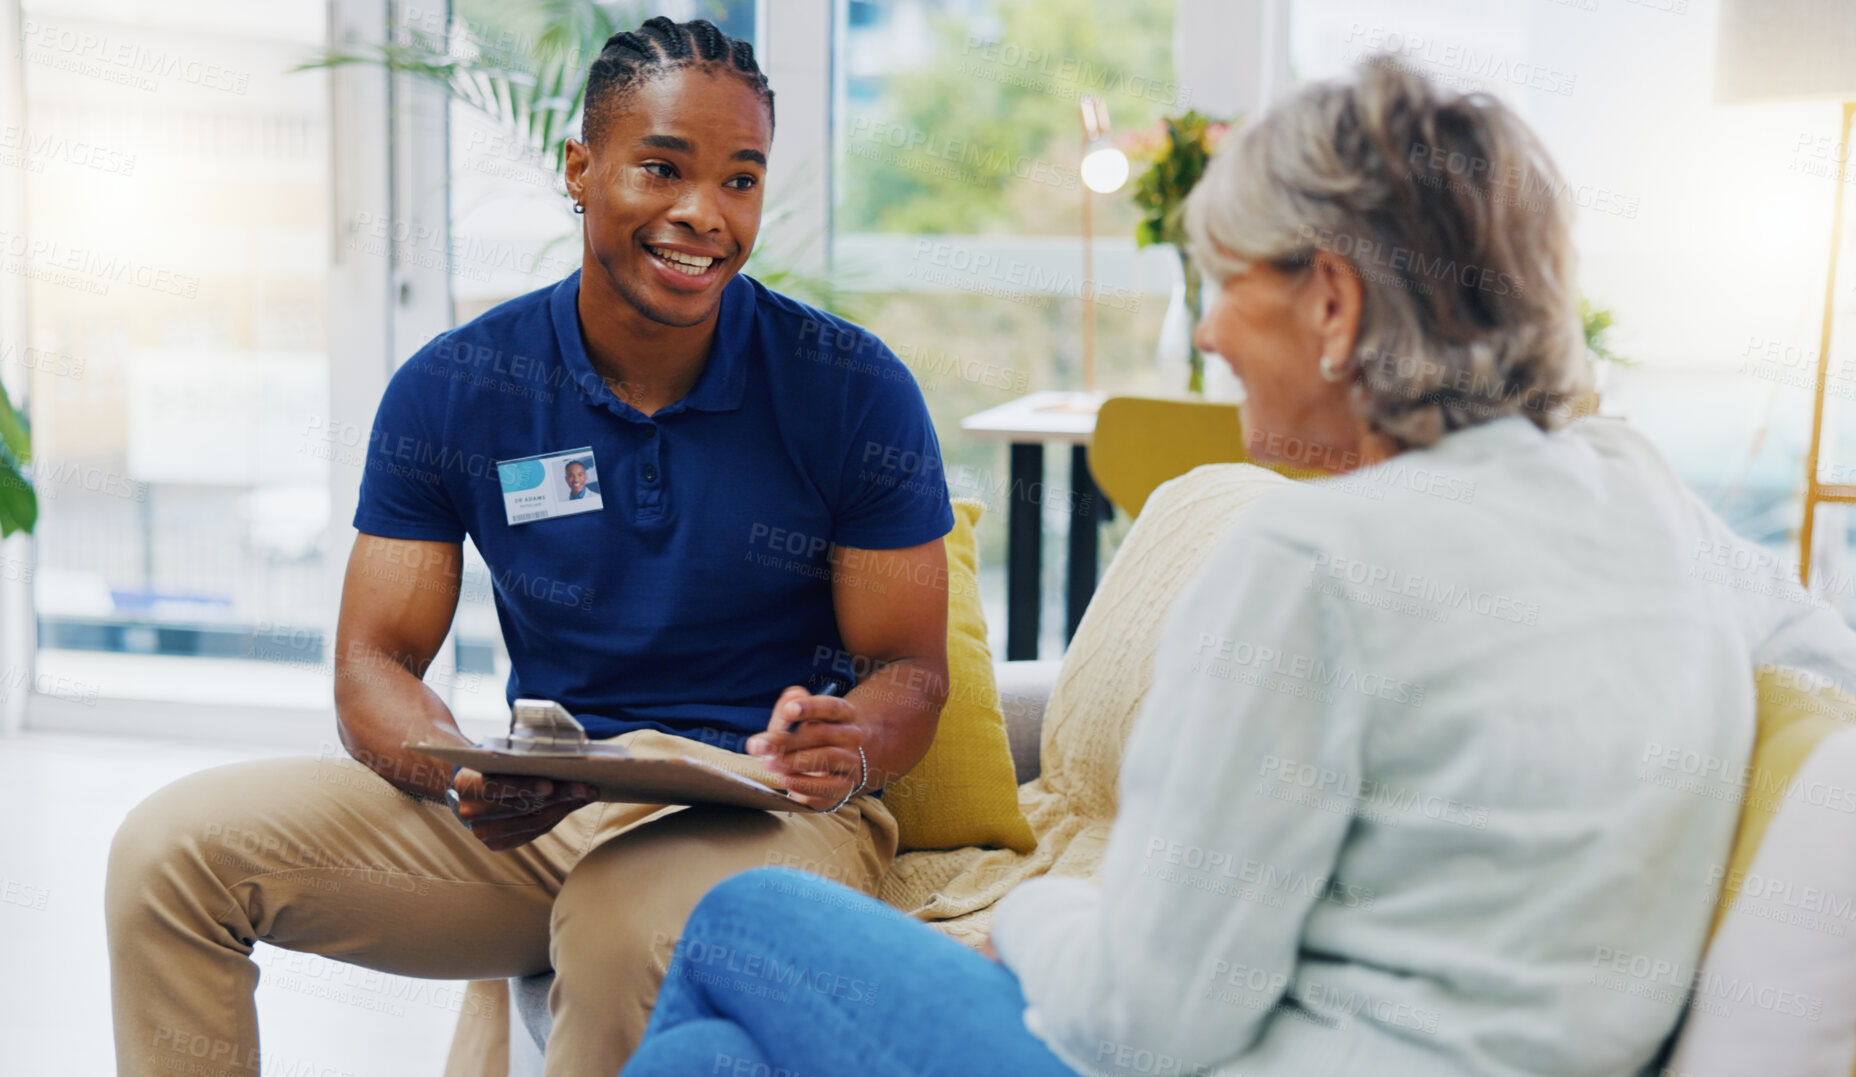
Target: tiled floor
(67, 794)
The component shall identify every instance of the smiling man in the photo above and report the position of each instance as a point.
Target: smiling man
(765, 517)
(576, 480)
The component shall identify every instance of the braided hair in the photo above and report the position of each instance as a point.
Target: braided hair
(633, 57)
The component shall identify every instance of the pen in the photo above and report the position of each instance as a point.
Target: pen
(834, 686)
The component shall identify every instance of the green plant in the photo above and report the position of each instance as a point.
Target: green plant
(19, 503)
(975, 136)
(526, 69)
(1597, 322)
(1177, 152)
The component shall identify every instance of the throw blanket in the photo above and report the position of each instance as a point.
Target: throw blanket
(1098, 694)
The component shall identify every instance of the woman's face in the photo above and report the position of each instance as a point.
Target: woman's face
(1272, 327)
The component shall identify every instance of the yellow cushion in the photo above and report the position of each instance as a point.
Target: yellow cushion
(964, 792)
(1794, 715)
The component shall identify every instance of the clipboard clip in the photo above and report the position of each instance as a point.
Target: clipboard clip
(543, 727)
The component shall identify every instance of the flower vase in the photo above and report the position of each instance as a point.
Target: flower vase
(1176, 357)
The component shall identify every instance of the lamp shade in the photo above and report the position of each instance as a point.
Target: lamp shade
(1773, 50)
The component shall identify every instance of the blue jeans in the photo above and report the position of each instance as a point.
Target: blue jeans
(782, 974)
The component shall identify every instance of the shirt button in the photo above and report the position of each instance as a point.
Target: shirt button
(650, 473)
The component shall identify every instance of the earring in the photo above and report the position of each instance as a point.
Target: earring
(579, 207)
(1331, 369)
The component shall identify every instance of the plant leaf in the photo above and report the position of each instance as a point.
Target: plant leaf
(15, 430)
(19, 503)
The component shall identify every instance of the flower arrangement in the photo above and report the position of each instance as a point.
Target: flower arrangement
(1176, 151)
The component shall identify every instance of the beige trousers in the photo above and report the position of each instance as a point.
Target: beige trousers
(323, 856)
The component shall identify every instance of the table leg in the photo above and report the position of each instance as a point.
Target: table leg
(1087, 508)
(1024, 562)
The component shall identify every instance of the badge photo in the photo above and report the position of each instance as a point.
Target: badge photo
(550, 484)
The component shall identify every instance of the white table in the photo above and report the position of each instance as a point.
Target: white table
(1026, 424)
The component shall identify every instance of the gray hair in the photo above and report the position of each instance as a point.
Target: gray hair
(1454, 219)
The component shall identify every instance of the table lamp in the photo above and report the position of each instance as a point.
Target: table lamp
(1103, 171)
(1798, 50)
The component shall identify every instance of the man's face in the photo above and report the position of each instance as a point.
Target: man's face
(673, 191)
(576, 478)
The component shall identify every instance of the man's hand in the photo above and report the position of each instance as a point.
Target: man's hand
(813, 742)
(507, 811)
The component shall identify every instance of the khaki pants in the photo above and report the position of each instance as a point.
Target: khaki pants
(323, 856)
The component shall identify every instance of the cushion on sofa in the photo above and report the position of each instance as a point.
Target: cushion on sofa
(1775, 992)
(964, 791)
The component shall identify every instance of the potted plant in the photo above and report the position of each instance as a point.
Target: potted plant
(1596, 322)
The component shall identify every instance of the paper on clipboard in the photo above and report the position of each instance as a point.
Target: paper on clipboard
(541, 744)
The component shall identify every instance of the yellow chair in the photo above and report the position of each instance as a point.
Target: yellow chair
(1141, 442)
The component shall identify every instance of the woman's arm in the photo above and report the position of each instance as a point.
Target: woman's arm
(1194, 932)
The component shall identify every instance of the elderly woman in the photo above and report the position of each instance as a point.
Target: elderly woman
(1399, 797)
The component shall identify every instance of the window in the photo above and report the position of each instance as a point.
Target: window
(176, 260)
(201, 408)
(957, 215)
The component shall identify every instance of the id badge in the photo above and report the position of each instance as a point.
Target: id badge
(549, 485)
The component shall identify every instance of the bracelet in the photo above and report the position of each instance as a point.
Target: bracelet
(863, 778)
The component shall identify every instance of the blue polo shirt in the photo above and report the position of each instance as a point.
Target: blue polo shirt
(701, 585)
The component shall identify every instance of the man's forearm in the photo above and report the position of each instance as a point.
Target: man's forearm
(380, 705)
(899, 704)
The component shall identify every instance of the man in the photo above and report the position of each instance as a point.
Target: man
(742, 460)
(576, 481)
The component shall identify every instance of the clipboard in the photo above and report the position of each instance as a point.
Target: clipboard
(545, 741)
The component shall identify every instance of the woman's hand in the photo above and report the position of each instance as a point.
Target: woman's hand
(813, 742)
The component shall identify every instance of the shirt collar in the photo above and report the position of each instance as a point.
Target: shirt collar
(723, 380)
(1483, 439)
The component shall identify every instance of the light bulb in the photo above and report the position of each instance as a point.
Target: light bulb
(1104, 169)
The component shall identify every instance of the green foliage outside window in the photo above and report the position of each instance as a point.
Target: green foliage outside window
(990, 128)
